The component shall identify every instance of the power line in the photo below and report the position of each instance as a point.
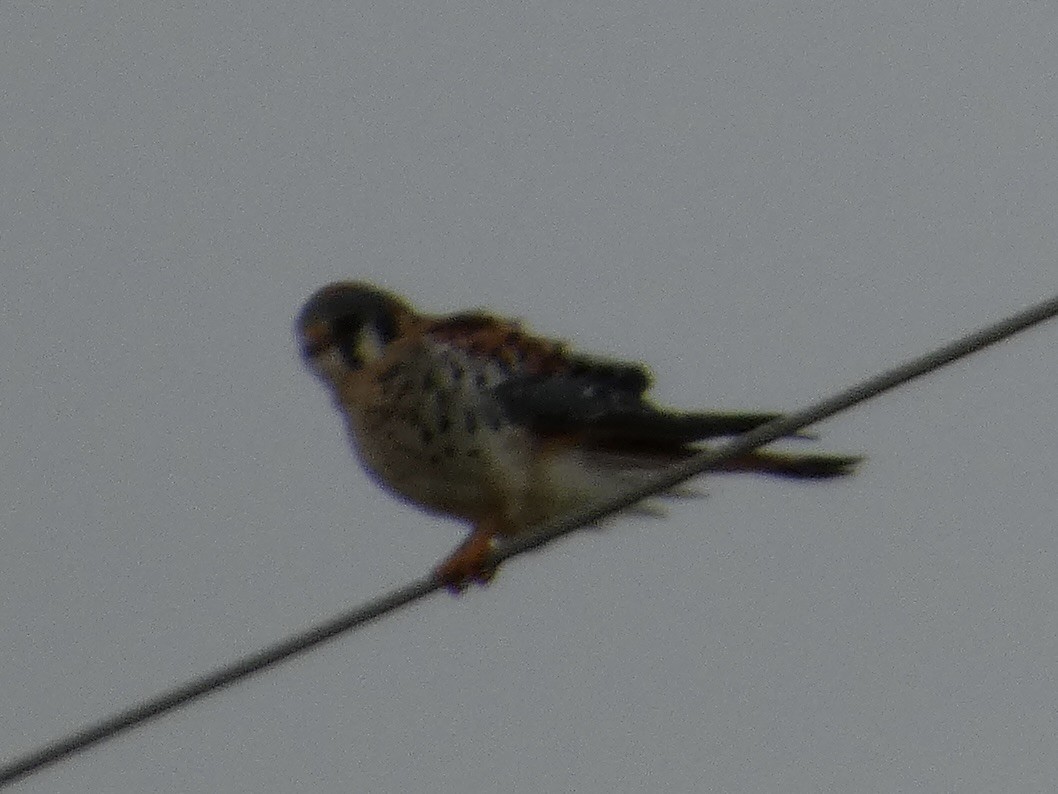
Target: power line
(353, 619)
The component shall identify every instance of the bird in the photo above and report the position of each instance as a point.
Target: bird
(471, 416)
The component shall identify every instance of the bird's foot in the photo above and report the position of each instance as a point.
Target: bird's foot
(468, 564)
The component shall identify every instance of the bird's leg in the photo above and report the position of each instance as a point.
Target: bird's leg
(469, 562)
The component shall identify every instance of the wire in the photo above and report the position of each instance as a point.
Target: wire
(210, 682)
(178, 696)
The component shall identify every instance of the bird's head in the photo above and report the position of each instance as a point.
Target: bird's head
(346, 326)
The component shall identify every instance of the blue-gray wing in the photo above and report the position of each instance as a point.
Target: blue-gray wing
(605, 401)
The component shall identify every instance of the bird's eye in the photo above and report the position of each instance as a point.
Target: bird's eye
(314, 340)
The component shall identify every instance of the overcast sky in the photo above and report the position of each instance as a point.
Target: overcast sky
(765, 201)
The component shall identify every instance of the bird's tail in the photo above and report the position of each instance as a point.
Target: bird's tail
(793, 465)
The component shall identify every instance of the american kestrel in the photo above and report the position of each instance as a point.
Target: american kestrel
(470, 416)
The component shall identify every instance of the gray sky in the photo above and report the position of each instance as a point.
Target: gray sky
(765, 201)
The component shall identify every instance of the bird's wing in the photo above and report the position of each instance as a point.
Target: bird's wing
(606, 401)
(553, 391)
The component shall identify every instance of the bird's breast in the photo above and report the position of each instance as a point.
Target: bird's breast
(429, 431)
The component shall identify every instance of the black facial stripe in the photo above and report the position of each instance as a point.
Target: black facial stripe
(385, 325)
(346, 327)
(348, 348)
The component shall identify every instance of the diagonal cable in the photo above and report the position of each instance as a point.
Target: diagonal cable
(203, 685)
